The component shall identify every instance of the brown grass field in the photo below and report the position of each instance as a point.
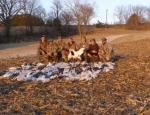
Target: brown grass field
(122, 91)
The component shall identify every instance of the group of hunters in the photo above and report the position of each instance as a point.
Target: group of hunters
(60, 50)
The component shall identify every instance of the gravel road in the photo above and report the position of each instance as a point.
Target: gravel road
(25, 49)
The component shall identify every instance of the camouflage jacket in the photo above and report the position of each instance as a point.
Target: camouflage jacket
(71, 46)
(108, 49)
(83, 45)
(52, 48)
(42, 46)
(60, 45)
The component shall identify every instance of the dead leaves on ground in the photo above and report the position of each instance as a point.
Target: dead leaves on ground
(124, 90)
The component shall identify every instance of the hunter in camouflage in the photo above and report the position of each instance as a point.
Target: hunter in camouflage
(42, 48)
(84, 44)
(106, 52)
(61, 45)
(70, 45)
(52, 51)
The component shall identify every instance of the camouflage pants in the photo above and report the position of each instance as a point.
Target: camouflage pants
(52, 56)
(65, 55)
(41, 56)
(94, 58)
(84, 56)
(59, 56)
(105, 57)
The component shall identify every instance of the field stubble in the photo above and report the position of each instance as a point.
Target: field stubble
(124, 90)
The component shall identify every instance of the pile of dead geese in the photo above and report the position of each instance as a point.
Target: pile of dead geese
(46, 72)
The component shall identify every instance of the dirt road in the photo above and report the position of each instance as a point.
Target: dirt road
(24, 49)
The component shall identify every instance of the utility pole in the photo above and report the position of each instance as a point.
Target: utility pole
(114, 18)
(106, 20)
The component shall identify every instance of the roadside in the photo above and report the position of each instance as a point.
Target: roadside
(123, 90)
(27, 49)
(13, 50)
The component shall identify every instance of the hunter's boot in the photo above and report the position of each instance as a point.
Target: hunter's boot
(103, 60)
(50, 60)
(55, 58)
(39, 58)
(65, 58)
(85, 58)
(46, 59)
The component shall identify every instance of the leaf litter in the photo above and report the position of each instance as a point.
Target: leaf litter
(124, 90)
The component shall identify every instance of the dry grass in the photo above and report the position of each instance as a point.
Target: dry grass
(8, 49)
(122, 91)
(11, 62)
(132, 37)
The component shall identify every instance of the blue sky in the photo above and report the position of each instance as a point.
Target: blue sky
(102, 5)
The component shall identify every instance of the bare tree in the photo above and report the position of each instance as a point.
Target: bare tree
(124, 12)
(81, 11)
(66, 17)
(41, 14)
(32, 8)
(119, 12)
(57, 6)
(51, 16)
(140, 11)
(9, 8)
(55, 10)
(66, 20)
(87, 11)
(148, 14)
(127, 12)
(54, 14)
(74, 8)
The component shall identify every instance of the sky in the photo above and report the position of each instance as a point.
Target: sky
(102, 5)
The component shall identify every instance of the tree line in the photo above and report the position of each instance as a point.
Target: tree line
(133, 16)
(63, 14)
(30, 13)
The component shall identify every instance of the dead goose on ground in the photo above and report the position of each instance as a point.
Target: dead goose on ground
(110, 65)
(84, 62)
(21, 77)
(40, 66)
(85, 76)
(37, 74)
(14, 70)
(98, 64)
(26, 67)
(105, 68)
(7, 74)
(2, 73)
(11, 72)
(49, 64)
(25, 71)
(96, 70)
(63, 65)
(78, 70)
(93, 74)
(43, 79)
(69, 71)
(54, 76)
(29, 76)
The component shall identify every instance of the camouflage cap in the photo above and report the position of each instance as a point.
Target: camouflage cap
(104, 39)
(92, 40)
(70, 38)
(43, 36)
(83, 37)
(59, 36)
(51, 40)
